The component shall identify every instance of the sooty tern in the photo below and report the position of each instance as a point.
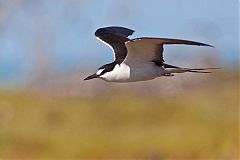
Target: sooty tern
(138, 59)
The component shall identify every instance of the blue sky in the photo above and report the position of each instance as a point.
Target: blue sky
(58, 35)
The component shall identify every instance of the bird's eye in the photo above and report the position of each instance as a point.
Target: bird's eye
(99, 71)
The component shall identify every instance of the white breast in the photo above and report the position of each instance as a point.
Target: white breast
(120, 73)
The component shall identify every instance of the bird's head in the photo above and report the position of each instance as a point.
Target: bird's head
(102, 71)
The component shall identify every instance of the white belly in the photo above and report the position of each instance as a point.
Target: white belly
(126, 73)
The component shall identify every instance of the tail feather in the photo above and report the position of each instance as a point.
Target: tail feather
(194, 71)
(175, 69)
(201, 70)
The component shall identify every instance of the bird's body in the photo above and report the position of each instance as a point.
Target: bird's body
(127, 73)
(138, 59)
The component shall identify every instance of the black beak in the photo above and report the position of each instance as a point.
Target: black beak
(91, 77)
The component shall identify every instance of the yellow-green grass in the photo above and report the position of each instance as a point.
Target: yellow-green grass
(200, 124)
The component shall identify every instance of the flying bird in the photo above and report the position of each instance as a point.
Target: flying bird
(138, 59)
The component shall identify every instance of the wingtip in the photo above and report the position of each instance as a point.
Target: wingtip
(210, 45)
(203, 44)
(117, 30)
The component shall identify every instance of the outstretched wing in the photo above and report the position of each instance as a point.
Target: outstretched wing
(115, 38)
(151, 49)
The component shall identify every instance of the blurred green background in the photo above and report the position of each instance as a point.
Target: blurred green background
(126, 121)
(47, 111)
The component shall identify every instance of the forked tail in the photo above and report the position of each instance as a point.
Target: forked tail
(174, 69)
(201, 70)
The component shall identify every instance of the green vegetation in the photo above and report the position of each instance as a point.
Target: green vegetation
(198, 124)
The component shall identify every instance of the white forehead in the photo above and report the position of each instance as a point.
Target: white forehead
(99, 71)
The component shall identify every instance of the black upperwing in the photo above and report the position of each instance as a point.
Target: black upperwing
(116, 38)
